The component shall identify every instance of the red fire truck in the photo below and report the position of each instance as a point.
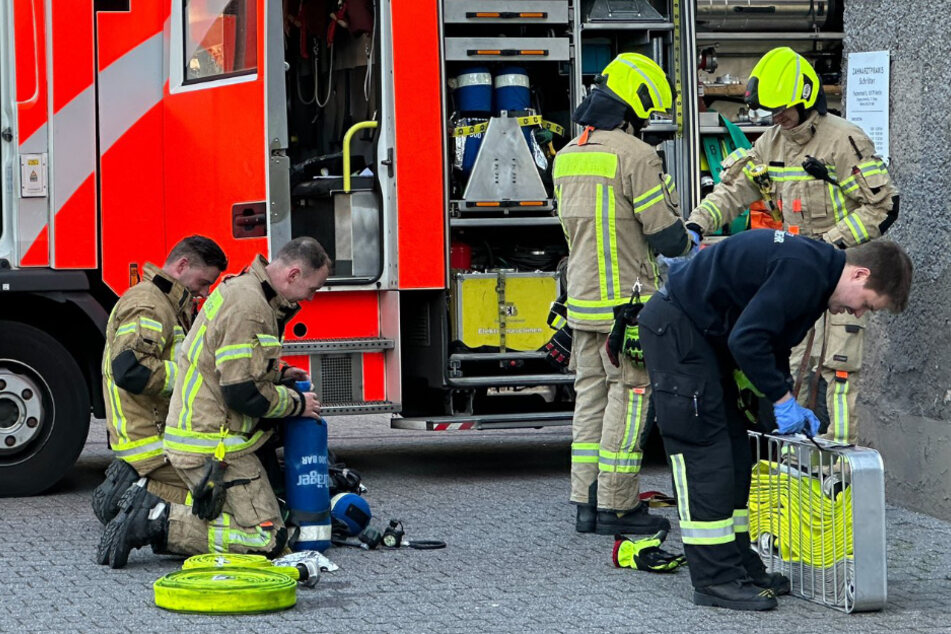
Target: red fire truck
(412, 138)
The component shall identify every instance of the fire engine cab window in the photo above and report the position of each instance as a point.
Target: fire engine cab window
(220, 39)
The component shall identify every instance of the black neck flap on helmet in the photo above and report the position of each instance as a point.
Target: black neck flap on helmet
(603, 110)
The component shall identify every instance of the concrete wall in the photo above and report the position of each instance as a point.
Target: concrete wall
(905, 406)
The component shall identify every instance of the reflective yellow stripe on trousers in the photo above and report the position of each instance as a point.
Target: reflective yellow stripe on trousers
(626, 460)
(697, 533)
(221, 536)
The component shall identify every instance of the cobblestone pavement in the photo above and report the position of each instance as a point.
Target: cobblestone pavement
(513, 564)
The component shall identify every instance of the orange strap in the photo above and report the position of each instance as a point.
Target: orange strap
(583, 139)
(841, 375)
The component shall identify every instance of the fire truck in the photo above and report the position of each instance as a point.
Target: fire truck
(414, 139)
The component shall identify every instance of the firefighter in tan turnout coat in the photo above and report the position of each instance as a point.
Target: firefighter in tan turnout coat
(228, 379)
(822, 174)
(617, 208)
(143, 336)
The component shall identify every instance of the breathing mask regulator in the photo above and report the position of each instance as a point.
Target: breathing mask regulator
(625, 334)
(392, 537)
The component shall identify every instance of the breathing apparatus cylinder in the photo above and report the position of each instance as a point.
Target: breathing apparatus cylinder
(513, 93)
(473, 94)
(307, 480)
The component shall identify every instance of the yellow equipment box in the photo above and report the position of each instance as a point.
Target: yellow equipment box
(502, 310)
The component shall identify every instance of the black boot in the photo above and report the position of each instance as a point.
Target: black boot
(636, 521)
(587, 518)
(739, 594)
(586, 521)
(105, 498)
(133, 527)
(756, 569)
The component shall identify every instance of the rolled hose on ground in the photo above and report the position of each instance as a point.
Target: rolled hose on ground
(226, 590)
(304, 571)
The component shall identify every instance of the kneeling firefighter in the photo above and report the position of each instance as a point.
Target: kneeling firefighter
(229, 379)
(618, 208)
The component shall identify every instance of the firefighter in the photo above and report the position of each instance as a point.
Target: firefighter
(229, 377)
(617, 208)
(743, 304)
(822, 175)
(143, 336)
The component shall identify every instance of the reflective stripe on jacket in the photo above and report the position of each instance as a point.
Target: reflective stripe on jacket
(144, 332)
(234, 345)
(847, 208)
(612, 196)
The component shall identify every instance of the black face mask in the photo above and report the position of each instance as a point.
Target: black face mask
(604, 112)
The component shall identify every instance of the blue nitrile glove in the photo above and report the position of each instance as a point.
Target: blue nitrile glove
(694, 240)
(791, 417)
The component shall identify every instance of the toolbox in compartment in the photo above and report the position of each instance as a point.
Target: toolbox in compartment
(502, 310)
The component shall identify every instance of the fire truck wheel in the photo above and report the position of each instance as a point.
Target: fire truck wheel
(44, 410)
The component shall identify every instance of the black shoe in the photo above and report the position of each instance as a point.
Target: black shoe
(774, 581)
(105, 498)
(132, 528)
(637, 522)
(756, 571)
(739, 594)
(587, 518)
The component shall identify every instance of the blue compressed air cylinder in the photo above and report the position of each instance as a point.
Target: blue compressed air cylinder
(306, 478)
(473, 91)
(472, 144)
(513, 92)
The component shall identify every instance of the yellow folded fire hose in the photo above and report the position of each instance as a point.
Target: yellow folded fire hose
(806, 525)
(226, 590)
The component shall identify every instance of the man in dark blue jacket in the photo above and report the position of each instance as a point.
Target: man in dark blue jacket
(744, 303)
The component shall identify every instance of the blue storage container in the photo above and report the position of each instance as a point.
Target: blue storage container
(307, 479)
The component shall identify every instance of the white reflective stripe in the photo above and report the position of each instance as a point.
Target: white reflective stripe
(170, 371)
(795, 88)
(518, 80)
(314, 533)
(133, 452)
(647, 80)
(707, 533)
(473, 79)
(607, 242)
(206, 443)
(741, 521)
(680, 484)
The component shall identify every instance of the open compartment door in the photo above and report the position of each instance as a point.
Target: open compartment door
(218, 135)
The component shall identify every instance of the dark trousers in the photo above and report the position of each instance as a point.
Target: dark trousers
(705, 438)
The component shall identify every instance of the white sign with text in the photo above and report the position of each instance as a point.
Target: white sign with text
(867, 96)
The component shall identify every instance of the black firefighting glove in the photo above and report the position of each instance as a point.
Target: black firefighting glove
(208, 496)
(558, 348)
(558, 314)
(645, 554)
(625, 336)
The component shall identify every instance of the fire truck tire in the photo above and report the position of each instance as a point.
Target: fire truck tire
(44, 410)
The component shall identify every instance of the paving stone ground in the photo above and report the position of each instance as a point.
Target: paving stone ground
(513, 562)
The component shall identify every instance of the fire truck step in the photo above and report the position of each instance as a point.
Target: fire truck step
(356, 407)
(327, 346)
(511, 381)
(486, 421)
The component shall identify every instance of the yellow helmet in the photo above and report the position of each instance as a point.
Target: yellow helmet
(639, 82)
(782, 79)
